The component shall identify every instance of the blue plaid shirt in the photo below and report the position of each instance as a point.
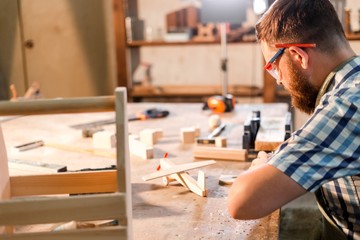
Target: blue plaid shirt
(325, 151)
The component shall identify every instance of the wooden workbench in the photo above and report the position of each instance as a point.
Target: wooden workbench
(159, 212)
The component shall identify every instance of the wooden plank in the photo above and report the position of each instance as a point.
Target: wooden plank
(55, 106)
(19, 167)
(120, 42)
(62, 209)
(139, 148)
(139, 43)
(91, 151)
(65, 147)
(82, 46)
(5, 189)
(109, 233)
(123, 155)
(4, 170)
(177, 169)
(204, 152)
(64, 183)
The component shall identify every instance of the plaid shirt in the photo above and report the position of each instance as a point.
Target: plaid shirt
(325, 151)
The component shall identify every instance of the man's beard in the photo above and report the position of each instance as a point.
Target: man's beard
(303, 93)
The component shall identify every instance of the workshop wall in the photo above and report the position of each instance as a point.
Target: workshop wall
(201, 64)
(66, 46)
(197, 64)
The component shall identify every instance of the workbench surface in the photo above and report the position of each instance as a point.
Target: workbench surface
(159, 212)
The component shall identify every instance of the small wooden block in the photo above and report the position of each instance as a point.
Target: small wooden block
(104, 139)
(220, 153)
(220, 142)
(188, 135)
(139, 148)
(159, 133)
(197, 131)
(271, 134)
(151, 136)
(227, 179)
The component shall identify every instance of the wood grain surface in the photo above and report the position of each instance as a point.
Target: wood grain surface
(159, 212)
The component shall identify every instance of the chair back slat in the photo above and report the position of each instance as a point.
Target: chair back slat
(100, 195)
(64, 183)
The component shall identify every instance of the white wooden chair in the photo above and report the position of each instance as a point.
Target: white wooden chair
(112, 198)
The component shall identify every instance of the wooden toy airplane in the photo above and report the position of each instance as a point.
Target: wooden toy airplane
(171, 172)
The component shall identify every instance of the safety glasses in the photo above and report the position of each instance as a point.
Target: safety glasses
(271, 68)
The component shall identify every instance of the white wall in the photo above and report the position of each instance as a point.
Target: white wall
(201, 64)
(196, 64)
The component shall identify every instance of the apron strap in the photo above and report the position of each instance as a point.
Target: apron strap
(330, 231)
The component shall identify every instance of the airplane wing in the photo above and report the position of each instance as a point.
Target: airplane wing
(177, 169)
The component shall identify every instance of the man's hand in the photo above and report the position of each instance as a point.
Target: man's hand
(261, 159)
(260, 190)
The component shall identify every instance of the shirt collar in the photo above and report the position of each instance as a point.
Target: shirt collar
(329, 79)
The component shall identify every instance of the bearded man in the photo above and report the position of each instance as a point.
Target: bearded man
(307, 52)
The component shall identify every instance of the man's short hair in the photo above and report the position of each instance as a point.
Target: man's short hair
(302, 21)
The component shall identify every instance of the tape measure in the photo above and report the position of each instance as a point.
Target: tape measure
(220, 104)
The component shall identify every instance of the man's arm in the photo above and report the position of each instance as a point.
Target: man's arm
(261, 190)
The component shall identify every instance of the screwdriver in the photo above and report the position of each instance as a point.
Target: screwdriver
(150, 113)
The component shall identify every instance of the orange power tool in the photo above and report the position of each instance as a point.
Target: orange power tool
(220, 104)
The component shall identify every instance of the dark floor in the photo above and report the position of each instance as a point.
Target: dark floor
(300, 219)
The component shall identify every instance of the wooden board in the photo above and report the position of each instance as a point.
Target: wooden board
(161, 209)
(64, 183)
(78, 208)
(271, 133)
(90, 202)
(81, 45)
(80, 234)
(192, 90)
(18, 167)
(177, 169)
(220, 153)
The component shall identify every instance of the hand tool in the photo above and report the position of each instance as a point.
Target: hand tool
(211, 137)
(217, 131)
(253, 137)
(147, 114)
(150, 113)
(220, 104)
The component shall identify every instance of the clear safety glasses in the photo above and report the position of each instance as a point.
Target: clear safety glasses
(271, 68)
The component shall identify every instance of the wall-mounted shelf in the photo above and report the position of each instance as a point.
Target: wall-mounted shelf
(193, 91)
(164, 43)
(353, 36)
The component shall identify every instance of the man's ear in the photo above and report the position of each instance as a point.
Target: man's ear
(300, 56)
